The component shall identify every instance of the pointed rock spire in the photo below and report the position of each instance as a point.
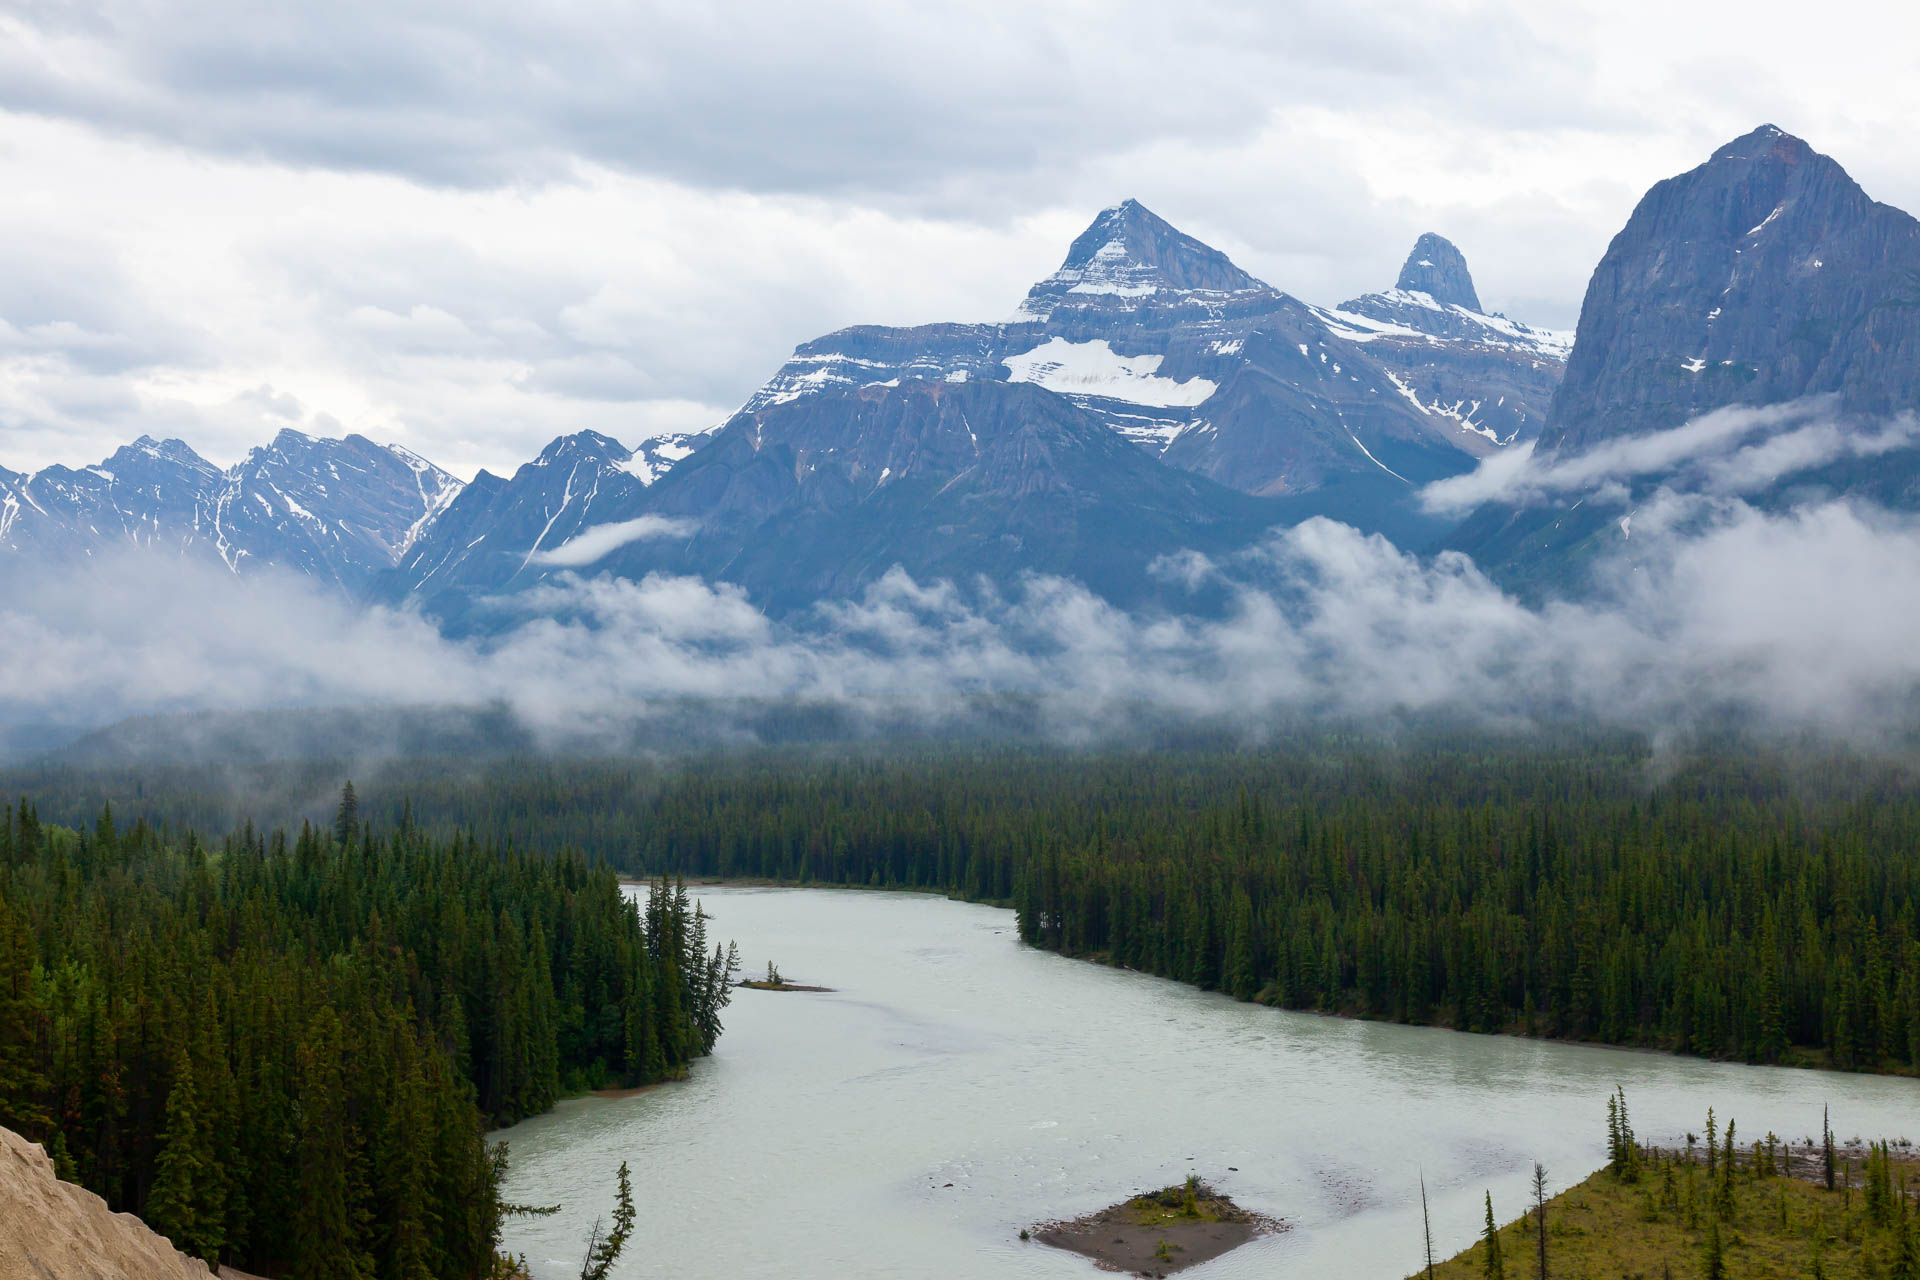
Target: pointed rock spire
(1129, 253)
(1438, 269)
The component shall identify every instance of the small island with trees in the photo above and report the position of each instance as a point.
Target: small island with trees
(1158, 1233)
(775, 982)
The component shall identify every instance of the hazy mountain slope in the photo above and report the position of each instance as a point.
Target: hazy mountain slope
(1490, 375)
(821, 496)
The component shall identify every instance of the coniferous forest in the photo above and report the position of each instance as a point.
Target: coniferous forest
(284, 1053)
(1741, 901)
(1747, 906)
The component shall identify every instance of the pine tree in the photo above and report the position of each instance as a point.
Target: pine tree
(180, 1205)
(604, 1250)
(1493, 1268)
(1714, 1266)
(346, 819)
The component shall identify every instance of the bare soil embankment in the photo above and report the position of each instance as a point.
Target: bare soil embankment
(53, 1230)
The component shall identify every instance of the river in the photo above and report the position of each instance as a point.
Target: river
(956, 1086)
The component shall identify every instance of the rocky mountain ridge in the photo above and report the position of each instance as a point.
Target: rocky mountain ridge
(338, 511)
(1764, 276)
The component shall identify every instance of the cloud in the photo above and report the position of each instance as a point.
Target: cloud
(597, 542)
(1797, 621)
(765, 97)
(1735, 450)
(470, 228)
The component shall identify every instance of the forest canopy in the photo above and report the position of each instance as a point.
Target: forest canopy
(1737, 900)
(284, 1053)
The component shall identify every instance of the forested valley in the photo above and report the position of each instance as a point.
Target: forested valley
(284, 1052)
(1736, 901)
(284, 1049)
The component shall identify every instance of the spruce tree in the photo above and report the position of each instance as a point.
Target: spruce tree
(1540, 1215)
(1493, 1267)
(603, 1249)
(1826, 1142)
(325, 1242)
(1906, 1259)
(346, 818)
(179, 1206)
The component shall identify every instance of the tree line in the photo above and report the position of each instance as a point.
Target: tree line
(1744, 903)
(284, 1052)
(1739, 900)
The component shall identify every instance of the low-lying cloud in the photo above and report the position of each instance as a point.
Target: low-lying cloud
(1799, 621)
(1736, 450)
(601, 540)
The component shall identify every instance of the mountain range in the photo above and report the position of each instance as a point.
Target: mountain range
(1148, 397)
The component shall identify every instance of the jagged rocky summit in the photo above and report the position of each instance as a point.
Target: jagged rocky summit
(338, 511)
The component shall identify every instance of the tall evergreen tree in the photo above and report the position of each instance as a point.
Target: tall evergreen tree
(1491, 1264)
(186, 1204)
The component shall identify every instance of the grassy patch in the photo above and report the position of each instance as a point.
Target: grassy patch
(1192, 1201)
(1660, 1223)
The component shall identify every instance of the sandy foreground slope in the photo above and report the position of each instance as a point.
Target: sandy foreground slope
(53, 1230)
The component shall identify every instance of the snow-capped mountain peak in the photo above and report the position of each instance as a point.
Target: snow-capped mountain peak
(1129, 255)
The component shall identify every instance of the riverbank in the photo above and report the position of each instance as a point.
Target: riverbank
(1671, 1218)
(1796, 1057)
(765, 882)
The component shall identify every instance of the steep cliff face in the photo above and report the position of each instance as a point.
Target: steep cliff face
(1762, 276)
(53, 1230)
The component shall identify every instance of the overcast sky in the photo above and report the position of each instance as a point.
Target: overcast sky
(468, 228)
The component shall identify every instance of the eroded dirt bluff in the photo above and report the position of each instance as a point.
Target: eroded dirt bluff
(53, 1230)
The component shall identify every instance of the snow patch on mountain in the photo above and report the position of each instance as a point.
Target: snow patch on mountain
(653, 458)
(1096, 369)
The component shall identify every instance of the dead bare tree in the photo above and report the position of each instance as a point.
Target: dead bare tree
(1426, 1223)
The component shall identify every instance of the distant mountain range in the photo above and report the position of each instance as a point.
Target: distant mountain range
(339, 511)
(1148, 397)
